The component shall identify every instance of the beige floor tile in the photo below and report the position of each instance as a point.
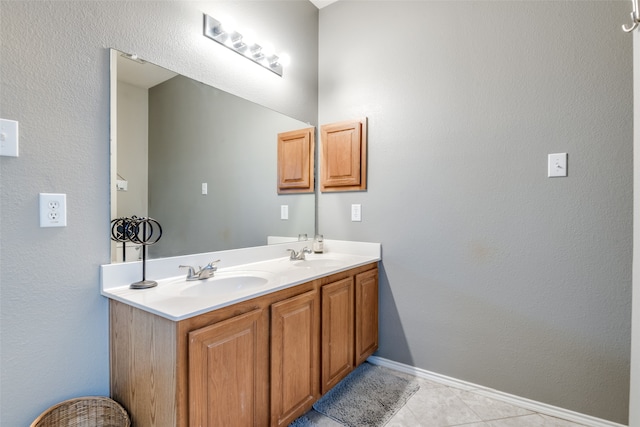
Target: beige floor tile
(403, 418)
(534, 420)
(472, 425)
(489, 409)
(438, 407)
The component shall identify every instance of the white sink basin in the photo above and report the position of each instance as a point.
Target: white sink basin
(224, 285)
(221, 284)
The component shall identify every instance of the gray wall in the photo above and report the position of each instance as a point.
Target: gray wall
(54, 79)
(492, 272)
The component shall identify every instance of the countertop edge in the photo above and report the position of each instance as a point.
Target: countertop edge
(119, 293)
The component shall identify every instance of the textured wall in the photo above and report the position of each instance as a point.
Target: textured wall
(492, 272)
(54, 79)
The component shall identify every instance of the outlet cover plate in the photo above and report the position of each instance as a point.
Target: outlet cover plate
(53, 210)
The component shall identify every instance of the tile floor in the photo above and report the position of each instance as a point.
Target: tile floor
(437, 405)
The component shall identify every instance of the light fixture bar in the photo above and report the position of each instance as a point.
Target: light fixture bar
(215, 31)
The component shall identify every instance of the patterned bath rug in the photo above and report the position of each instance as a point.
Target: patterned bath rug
(368, 397)
(303, 421)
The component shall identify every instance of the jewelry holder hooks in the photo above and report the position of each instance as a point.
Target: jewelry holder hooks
(635, 18)
(141, 231)
(118, 226)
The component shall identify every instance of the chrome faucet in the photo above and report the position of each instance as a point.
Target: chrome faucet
(203, 272)
(299, 256)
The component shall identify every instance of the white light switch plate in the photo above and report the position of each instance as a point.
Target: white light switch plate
(8, 138)
(557, 165)
(356, 213)
(284, 211)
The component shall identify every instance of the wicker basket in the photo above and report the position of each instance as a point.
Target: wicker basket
(84, 412)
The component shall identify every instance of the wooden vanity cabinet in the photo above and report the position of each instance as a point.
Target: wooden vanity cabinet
(337, 332)
(295, 358)
(256, 363)
(349, 324)
(366, 290)
(226, 375)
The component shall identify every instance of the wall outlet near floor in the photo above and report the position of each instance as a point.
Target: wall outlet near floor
(53, 210)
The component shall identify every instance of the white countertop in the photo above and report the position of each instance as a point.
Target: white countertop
(176, 299)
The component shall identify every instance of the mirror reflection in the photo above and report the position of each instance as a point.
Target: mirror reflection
(201, 161)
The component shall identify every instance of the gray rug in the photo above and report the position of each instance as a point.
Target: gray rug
(303, 421)
(368, 397)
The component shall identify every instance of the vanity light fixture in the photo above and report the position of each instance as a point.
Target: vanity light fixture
(133, 57)
(260, 54)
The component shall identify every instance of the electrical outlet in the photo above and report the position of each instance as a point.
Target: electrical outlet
(53, 210)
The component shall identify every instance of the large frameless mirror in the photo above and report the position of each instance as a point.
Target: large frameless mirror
(200, 161)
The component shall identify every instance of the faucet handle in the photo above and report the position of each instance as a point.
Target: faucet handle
(192, 272)
(211, 265)
(299, 256)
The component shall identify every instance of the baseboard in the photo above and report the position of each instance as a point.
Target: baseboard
(522, 402)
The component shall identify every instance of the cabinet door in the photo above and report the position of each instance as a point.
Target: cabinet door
(295, 377)
(366, 314)
(344, 156)
(226, 374)
(296, 161)
(337, 332)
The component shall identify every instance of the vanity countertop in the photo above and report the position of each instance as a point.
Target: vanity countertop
(242, 274)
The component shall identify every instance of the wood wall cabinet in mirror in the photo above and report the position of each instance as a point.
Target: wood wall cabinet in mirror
(343, 165)
(296, 161)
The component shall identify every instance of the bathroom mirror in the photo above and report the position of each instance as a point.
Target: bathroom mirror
(200, 161)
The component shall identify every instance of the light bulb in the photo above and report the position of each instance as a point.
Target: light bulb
(284, 59)
(267, 49)
(248, 37)
(229, 25)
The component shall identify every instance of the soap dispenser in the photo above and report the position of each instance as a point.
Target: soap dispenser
(318, 244)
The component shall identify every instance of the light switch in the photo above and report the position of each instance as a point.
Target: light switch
(284, 211)
(8, 138)
(557, 165)
(122, 185)
(356, 213)
(205, 188)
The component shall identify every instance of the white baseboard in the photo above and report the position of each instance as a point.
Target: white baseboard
(522, 402)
